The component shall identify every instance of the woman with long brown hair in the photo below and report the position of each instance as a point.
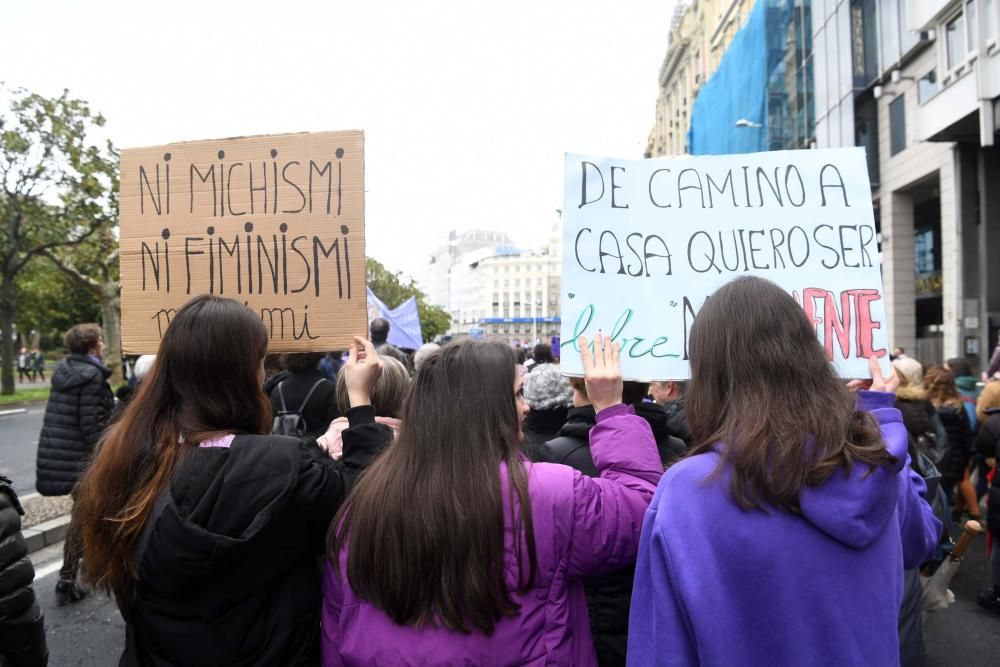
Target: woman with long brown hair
(204, 528)
(455, 550)
(782, 538)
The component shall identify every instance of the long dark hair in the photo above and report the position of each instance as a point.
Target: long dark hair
(424, 528)
(762, 385)
(204, 383)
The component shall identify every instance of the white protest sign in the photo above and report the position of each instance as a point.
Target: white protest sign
(645, 242)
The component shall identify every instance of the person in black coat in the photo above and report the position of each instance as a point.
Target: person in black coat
(305, 377)
(608, 596)
(670, 395)
(988, 446)
(213, 554)
(947, 402)
(79, 407)
(22, 626)
(549, 396)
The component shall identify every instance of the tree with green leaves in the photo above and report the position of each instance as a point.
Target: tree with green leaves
(49, 302)
(388, 287)
(57, 190)
(93, 266)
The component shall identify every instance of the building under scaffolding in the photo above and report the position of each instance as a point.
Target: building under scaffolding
(760, 97)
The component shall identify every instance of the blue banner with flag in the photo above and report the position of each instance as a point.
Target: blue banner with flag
(404, 321)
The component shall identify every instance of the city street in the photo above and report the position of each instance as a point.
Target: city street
(965, 633)
(19, 444)
(89, 633)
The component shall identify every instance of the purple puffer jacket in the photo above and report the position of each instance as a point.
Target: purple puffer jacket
(583, 526)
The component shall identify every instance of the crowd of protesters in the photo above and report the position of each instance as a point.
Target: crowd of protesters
(470, 504)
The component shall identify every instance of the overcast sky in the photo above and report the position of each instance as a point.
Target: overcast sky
(467, 106)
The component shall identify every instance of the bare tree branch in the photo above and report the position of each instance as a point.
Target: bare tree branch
(72, 271)
(45, 247)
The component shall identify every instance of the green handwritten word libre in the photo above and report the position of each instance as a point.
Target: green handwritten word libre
(632, 346)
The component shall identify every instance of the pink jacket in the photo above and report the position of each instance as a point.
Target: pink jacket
(583, 526)
(332, 441)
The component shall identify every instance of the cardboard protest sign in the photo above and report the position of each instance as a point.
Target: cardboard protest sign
(645, 242)
(275, 222)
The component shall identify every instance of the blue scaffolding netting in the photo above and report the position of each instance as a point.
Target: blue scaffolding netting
(760, 97)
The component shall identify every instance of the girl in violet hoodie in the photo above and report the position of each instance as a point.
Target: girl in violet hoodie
(782, 538)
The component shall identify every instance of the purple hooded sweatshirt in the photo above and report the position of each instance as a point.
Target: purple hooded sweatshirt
(583, 526)
(716, 585)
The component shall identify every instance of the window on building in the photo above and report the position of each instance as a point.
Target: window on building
(971, 24)
(866, 134)
(907, 38)
(954, 39)
(927, 86)
(517, 282)
(989, 20)
(897, 125)
(496, 284)
(888, 11)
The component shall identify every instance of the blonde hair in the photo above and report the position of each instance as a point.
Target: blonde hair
(388, 394)
(910, 370)
(989, 399)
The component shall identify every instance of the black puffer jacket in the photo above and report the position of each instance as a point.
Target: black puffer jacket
(22, 628)
(571, 446)
(609, 596)
(229, 558)
(77, 412)
(956, 424)
(677, 421)
(988, 446)
(916, 409)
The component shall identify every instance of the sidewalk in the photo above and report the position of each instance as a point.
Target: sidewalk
(45, 520)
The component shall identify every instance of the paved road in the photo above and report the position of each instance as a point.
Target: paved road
(965, 634)
(18, 446)
(90, 633)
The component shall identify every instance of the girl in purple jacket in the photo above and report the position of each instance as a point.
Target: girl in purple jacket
(782, 538)
(455, 550)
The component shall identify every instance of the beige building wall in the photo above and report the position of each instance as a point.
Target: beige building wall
(700, 33)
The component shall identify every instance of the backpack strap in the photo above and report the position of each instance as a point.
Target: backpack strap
(281, 396)
(302, 407)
